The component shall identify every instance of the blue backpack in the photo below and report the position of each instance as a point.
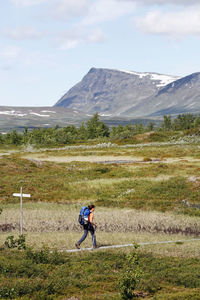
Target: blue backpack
(84, 215)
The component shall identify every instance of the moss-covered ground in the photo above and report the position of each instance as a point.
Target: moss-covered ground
(44, 275)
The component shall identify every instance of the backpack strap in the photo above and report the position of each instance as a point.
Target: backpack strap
(84, 211)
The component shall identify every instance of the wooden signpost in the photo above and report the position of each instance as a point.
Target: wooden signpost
(21, 195)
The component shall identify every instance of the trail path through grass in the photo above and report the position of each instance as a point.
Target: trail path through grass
(129, 245)
(107, 158)
(91, 158)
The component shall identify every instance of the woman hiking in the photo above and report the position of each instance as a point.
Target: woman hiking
(88, 226)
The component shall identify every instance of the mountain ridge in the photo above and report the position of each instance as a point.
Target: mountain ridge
(112, 92)
(181, 96)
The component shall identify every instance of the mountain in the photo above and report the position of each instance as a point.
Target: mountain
(113, 92)
(181, 96)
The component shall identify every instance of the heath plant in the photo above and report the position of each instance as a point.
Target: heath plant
(131, 275)
(19, 243)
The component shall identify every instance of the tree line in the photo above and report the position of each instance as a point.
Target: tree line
(95, 129)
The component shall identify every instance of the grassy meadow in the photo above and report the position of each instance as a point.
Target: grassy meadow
(142, 193)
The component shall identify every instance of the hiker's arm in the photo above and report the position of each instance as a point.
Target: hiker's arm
(92, 219)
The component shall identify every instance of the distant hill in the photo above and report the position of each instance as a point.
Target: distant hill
(31, 117)
(45, 117)
(115, 92)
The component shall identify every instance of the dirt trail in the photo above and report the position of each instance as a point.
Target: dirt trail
(91, 158)
(107, 159)
(130, 245)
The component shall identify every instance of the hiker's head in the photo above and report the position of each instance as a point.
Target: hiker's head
(91, 207)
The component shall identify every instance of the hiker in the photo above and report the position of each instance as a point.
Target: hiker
(88, 225)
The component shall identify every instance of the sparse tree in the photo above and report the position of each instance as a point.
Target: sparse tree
(82, 132)
(196, 122)
(151, 126)
(1, 138)
(96, 128)
(167, 123)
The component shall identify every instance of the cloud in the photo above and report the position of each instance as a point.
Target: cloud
(91, 11)
(65, 9)
(16, 57)
(175, 24)
(27, 2)
(164, 2)
(107, 10)
(22, 33)
(9, 56)
(96, 36)
(10, 52)
(6, 68)
(73, 39)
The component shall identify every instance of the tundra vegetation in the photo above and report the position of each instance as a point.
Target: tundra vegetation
(145, 184)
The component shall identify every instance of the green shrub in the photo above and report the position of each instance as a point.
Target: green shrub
(131, 275)
(45, 256)
(19, 243)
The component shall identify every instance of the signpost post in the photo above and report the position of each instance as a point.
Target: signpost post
(21, 195)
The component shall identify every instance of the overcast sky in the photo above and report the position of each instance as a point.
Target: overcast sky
(47, 46)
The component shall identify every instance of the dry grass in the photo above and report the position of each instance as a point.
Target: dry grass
(181, 168)
(73, 158)
(56, 226)
(162, 151)
(163, 155)
(43, 217)
(110, 181)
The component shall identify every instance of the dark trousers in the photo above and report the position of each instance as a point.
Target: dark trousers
(90, 228)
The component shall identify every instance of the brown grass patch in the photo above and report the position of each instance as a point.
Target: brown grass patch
(41, 217)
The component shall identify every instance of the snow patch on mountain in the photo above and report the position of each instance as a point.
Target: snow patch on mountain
(16, 113)
(164, 79)
(12, 113)
(39, 115)
(48, 111)
(141, 75)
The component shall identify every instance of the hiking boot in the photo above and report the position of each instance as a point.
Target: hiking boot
(77, 246)
(95, 247)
